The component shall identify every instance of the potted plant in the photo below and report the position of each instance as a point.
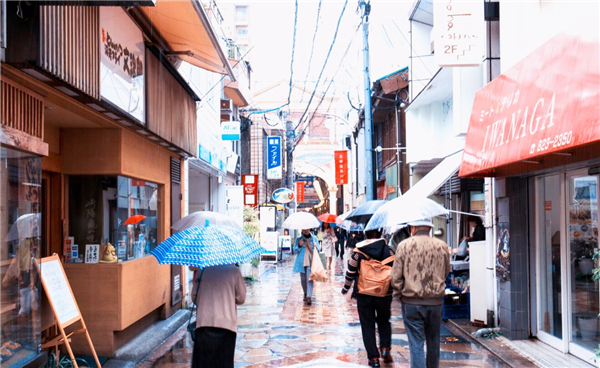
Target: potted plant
(252, 228)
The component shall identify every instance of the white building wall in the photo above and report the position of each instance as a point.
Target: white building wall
(524, 26)
(422, 64)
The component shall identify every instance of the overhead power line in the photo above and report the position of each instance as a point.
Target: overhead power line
(312, 49)
(337, 28)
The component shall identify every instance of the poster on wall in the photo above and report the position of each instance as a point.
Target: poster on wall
(503, 252)
(122, 62)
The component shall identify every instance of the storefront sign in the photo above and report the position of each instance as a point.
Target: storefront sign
(529, 111)
(235, 203)
(267, 216)
(274, 167)
(230, 130)
(92, 253)
(310, 193)
(286, 242)
(269, 240)
(250, 184)
(299, 192)
(341, 167)
(459, 32)
(283, 195)
(122, 62)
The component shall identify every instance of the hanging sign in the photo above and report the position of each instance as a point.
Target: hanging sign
(250, 184)
(122, 61)
(274, 167)
(283, 195)
(230, 130)
(458, 28)
(341, 167)
(299, 191)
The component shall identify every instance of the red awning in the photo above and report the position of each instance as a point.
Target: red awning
(543, 112)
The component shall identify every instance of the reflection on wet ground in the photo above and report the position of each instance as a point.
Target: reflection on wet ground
(276, 329)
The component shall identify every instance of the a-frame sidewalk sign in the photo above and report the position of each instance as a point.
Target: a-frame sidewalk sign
(63, 304)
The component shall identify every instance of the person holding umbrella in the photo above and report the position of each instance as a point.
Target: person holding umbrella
(305, 244)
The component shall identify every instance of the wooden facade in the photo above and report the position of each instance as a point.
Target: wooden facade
(170, 110)
(22, 110)
(70, 45)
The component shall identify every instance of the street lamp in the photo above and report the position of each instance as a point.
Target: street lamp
(379, 149)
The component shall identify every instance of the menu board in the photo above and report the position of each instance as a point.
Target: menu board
(58, 291)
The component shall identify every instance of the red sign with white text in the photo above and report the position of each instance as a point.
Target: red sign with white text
(546, 103)
(250, 184)
(341, 167)
(299, 191)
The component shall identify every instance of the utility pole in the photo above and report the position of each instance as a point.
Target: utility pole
(366, 9)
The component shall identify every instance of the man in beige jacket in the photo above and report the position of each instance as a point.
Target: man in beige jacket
(419, 274)
(221, 290)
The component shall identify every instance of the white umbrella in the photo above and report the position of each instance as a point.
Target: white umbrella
(199, 218)
(26, 226)
(404, 209)
(301, 221)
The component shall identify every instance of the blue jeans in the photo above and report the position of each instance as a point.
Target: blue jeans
(307, 286)
(423, 323)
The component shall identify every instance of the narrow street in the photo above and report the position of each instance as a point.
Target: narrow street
(277, 330)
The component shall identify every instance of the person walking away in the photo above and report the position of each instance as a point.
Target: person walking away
(305, 244)
(340, 234)
(220, 290)
(371, 309)
(419, 274)
(352, 239)
(327, 244)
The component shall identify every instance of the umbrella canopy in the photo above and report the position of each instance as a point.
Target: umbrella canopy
(404, 209)
(26, 226)
(207, 246)
(199, 218)
(340, 219)
(362, 214)
(135, 219)
(352, 226)
(328, 217)
(301, 221)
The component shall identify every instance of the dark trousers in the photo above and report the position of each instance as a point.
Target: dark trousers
(339, 249)
(214, 348)
(371, 310)
(423, 323)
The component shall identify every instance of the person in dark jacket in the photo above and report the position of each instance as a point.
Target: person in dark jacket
(371, 309)
(340, 234)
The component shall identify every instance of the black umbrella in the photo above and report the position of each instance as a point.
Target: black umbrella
(362, 214)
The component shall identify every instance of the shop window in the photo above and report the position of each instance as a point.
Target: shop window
(20, 226)
(113, 210)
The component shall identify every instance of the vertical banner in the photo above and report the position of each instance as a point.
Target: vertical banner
(274, 170)
(250, 184)
(459, 29)
(341, 167)
(299, 191)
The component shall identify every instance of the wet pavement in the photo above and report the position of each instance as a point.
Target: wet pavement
(276, 329)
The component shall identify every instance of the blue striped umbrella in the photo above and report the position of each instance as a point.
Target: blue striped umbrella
(206, 246)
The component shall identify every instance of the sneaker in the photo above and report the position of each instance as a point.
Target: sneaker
(386, 355)
(374, 362)
(309, 301)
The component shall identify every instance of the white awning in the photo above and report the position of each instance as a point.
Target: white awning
(431, 182)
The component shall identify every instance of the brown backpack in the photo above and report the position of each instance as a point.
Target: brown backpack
(374, 277)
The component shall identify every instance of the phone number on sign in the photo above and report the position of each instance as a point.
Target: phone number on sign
(559, 140)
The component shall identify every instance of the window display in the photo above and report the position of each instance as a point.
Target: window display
(118, 213)
(20, 221)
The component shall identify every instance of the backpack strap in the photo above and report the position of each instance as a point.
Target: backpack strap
(389, 259)
(359, 252)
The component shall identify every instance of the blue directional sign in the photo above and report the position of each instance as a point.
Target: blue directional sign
(274, 162)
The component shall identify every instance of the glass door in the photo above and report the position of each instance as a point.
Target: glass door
(582, 241)
(548, 239)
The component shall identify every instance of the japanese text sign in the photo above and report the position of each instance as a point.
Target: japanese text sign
(250, 184)
(92, 253)
(341, 167)
(299, 191)
(274, 169)
(459, 28)
(529, 111)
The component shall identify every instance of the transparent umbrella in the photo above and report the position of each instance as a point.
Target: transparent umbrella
(301, 221)
(404, 209)
(199, 218)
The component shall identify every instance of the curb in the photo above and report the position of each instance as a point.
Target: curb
(478, 342)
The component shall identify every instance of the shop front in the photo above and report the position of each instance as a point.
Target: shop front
(536, 129)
